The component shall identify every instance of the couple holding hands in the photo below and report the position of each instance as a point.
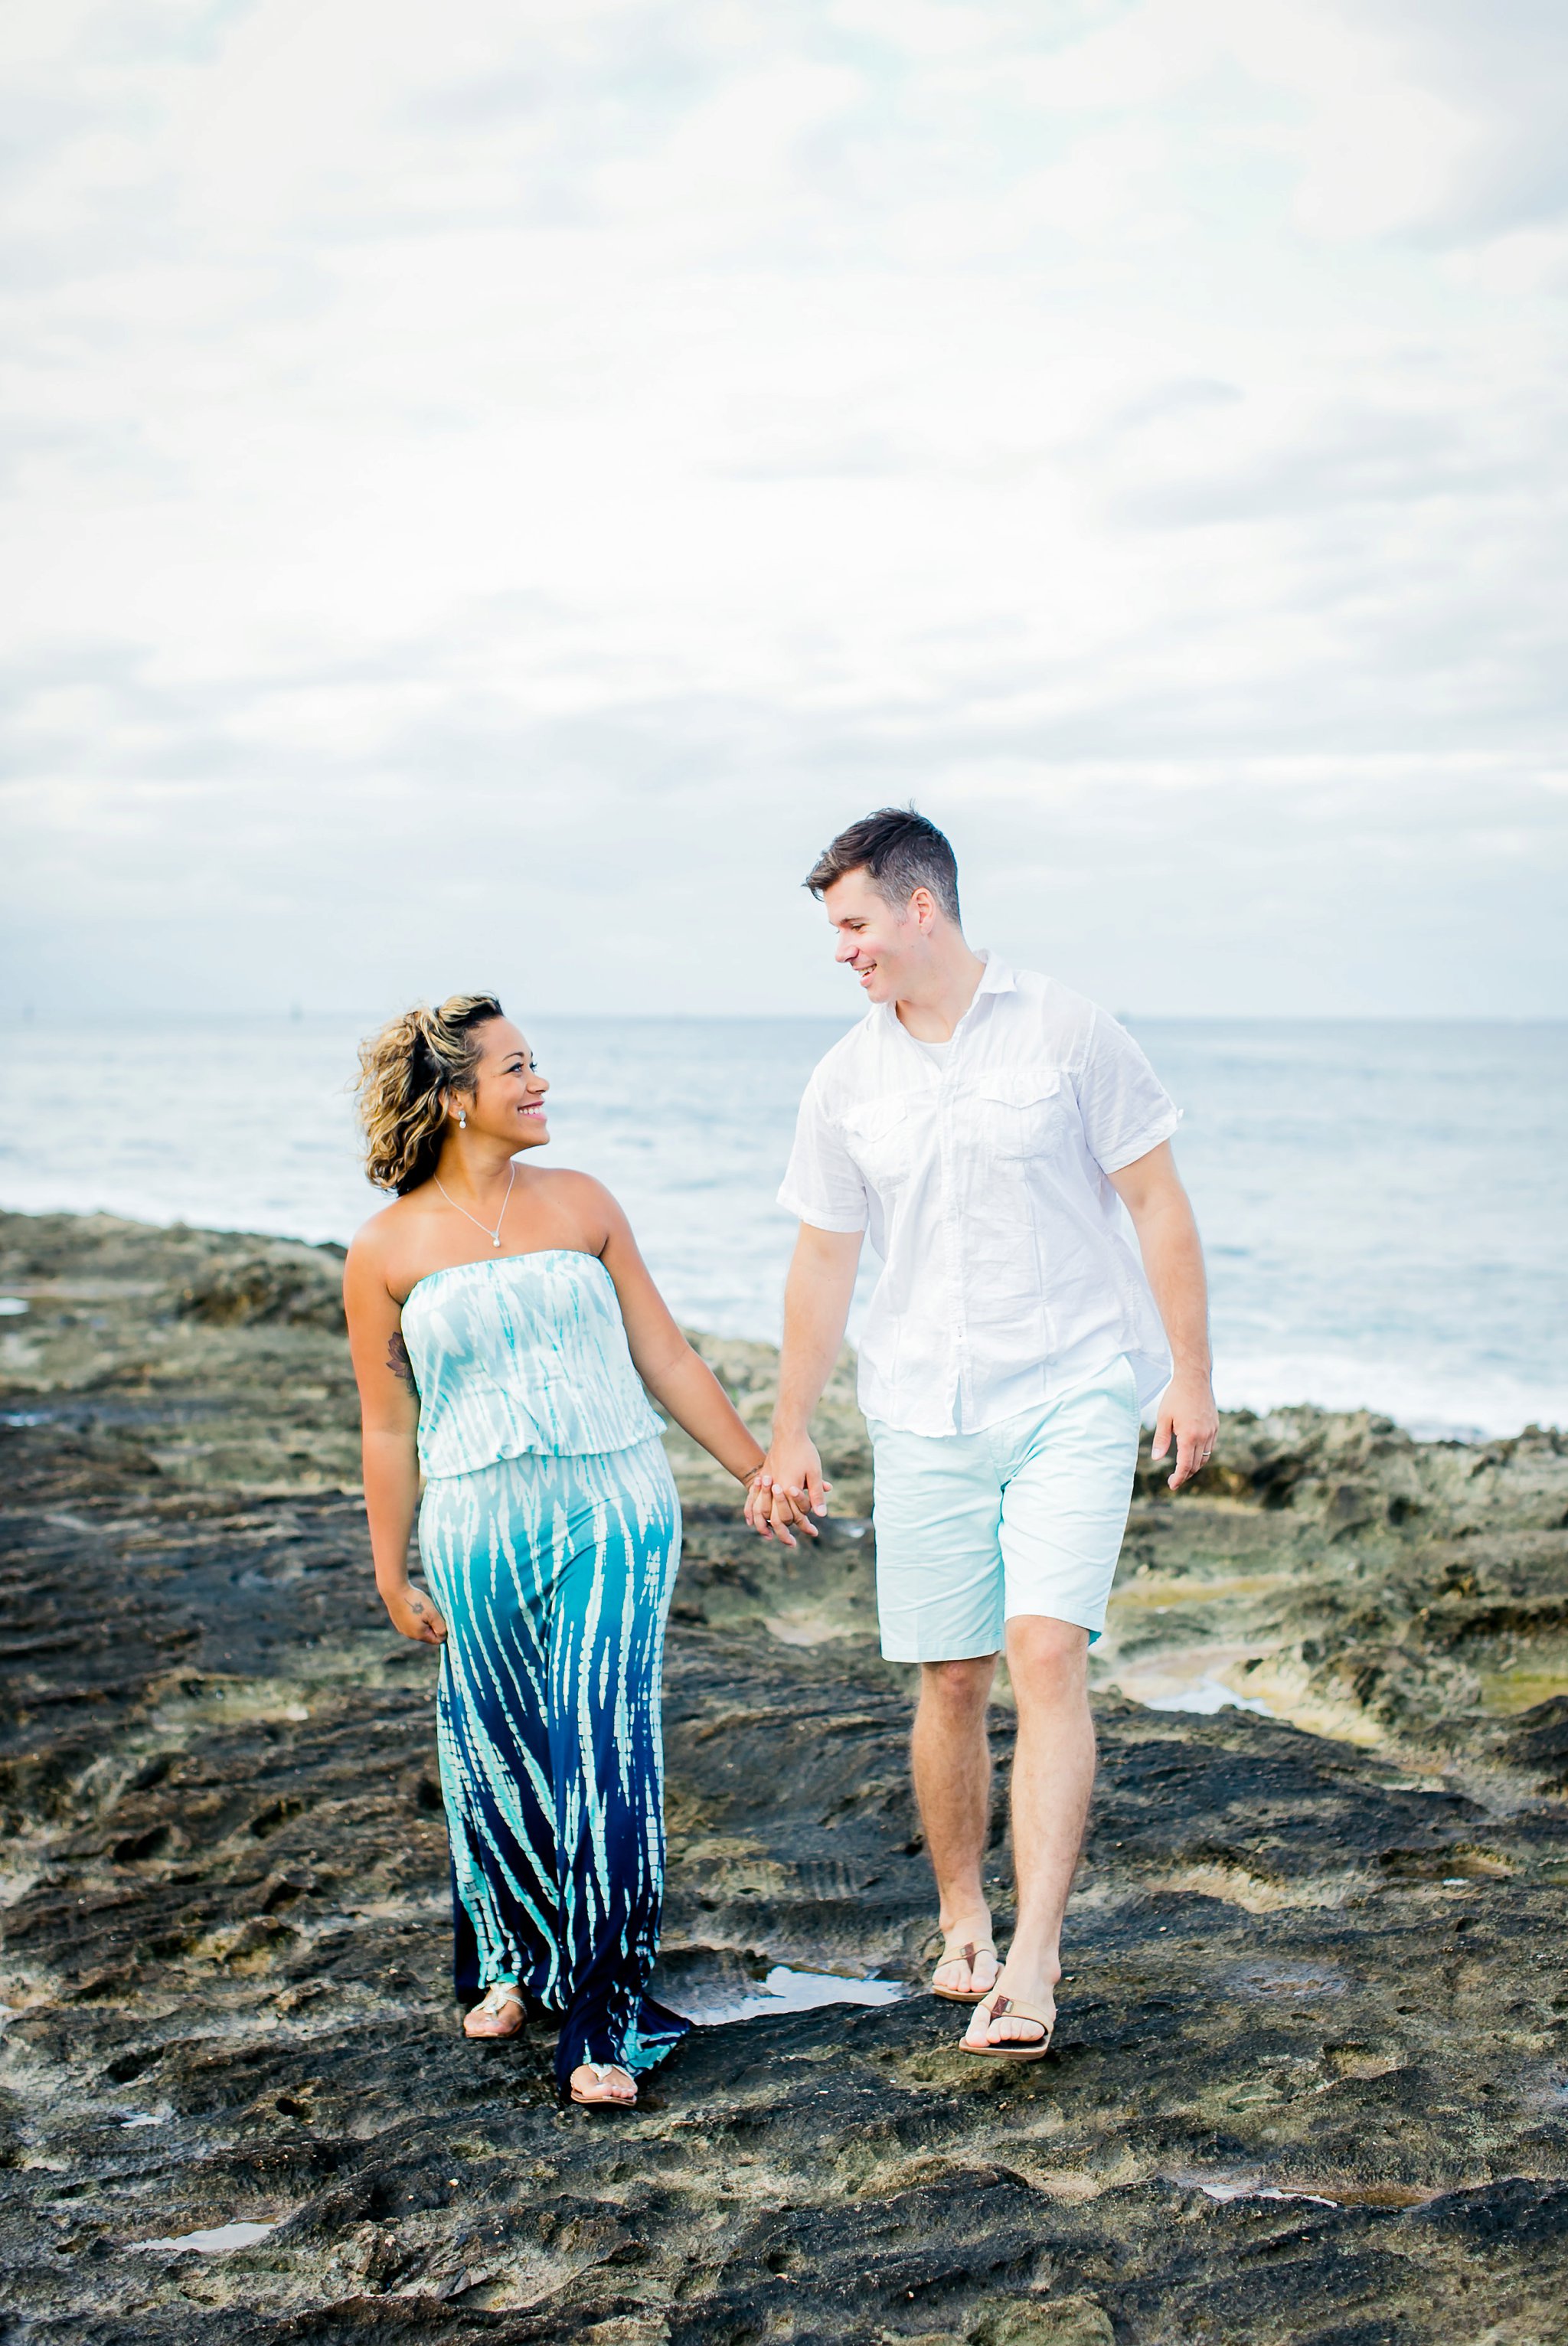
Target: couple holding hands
(983, 1126)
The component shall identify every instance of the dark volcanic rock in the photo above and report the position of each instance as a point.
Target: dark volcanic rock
(1309, 2084)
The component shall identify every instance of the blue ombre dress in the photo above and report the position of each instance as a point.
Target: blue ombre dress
(550, 1533)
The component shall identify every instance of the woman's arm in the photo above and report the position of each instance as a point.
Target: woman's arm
(678, 1379)
(389, 1416)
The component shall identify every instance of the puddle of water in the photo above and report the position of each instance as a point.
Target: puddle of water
(17, 1418)
(1227, 2192)
(802, 1630)
(1393, 2196)
(143, 2118)
(1186, 1677)
(211, 2243)
(1152, 1592)
(1195, 1678)
(1287, 1979)
(207, 1701)
(1507, 1692)
(783, 1990)
(1205, 1677)
(1209, 1695)
(12, 1307)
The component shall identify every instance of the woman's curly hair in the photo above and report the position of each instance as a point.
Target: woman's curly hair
(405, 1071)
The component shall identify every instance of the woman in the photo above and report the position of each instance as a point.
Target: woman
(500, 1317)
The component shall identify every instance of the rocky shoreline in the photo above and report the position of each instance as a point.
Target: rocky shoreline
(1310, 2083)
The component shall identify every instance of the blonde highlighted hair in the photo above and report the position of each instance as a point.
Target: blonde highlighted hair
(406, 1072)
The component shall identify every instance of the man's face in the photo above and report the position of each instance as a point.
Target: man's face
(880, 944)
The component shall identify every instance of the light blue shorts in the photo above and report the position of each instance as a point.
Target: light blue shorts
(1024, 1517)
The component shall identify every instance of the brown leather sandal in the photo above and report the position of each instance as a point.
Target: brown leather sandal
(1012, 2007)
(967, 1954)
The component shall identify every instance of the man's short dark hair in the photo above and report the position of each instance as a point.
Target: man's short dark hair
(899, 850)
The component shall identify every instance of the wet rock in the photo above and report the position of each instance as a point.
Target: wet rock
(1537, 1744)
(1307, 2083)
(1354, 1580)
(287, 1283)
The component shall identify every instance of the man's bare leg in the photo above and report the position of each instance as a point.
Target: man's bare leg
(951, 1764)
(1052, 1776)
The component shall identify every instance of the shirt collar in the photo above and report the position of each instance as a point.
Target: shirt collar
(995, 977)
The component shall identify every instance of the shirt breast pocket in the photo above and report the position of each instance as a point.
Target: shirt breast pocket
(1025, 1114)
(881, 1139)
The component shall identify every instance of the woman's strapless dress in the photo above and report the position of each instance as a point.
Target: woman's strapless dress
(550, 1535)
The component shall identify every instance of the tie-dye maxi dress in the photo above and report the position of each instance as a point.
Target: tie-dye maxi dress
(550, 1535)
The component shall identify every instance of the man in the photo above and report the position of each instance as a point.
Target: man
(981, 1125)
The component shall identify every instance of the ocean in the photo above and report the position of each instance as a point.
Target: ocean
(1382, 1204)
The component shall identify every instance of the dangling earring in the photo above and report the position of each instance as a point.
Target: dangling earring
(462, 1120)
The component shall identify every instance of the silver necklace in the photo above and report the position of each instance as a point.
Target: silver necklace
(493, 1235)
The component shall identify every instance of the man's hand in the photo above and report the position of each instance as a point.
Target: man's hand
(1188, 1418)
(788, 1491)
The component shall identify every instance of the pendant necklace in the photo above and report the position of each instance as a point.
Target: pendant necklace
(493, 1235)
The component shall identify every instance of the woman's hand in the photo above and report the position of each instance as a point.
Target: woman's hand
(777, 1511)
(413, 1614)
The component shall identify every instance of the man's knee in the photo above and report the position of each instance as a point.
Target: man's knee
(957, 1688)
(1047, 1660)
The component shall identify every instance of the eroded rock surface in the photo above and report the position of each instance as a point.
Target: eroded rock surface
(1309, 2083)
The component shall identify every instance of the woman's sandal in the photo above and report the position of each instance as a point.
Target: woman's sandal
(1012, 2007)
(496, 2002)
(603, 2069)
(969, 1953)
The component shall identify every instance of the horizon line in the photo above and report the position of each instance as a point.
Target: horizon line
(29, 1015)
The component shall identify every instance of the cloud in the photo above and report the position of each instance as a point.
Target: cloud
(612, 443)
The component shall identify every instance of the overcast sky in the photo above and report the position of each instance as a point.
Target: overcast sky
(490, 489)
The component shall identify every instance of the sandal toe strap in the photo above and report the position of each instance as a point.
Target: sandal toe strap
(968, 1954)
(1013, 2007)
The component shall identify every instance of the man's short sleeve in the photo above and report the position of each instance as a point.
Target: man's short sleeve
(1125, 1108)
(822, 1183)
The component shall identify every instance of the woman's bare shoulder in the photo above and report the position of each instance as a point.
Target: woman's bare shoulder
(375, 1241)
(564, 1181)
(580, 1198)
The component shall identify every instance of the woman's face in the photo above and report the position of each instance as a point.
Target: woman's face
(508, 1098)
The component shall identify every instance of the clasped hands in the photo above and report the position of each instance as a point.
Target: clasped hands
(786, 1491)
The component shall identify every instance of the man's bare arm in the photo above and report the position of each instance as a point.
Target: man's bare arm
(1150, 1189)
(816, 1311)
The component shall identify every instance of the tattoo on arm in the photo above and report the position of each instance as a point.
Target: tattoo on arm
(398, 1361)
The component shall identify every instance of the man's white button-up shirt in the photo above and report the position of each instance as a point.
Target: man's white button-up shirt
(1007, 1273)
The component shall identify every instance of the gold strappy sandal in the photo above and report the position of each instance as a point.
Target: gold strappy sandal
(1013, 2007)
(968, 1953)
(601, 2070)
(496, 2002)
